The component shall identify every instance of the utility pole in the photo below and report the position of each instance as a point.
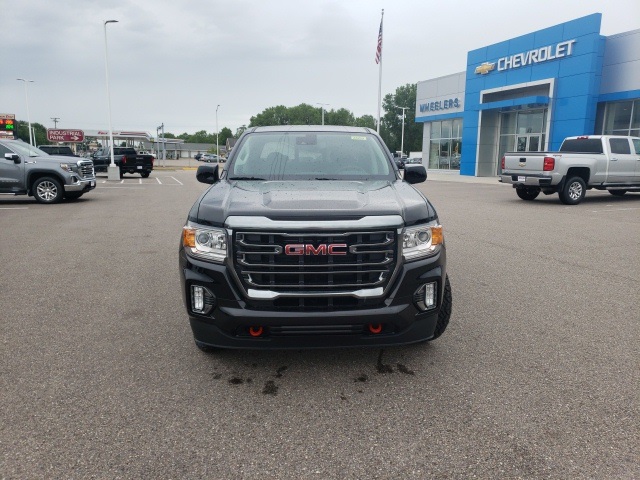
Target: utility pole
(55, 121)
(402, 137)
(217, 135)
(164, 148)
(322, 107)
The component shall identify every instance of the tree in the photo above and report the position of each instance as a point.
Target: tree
(40, 132)
(341, 116)
(366, 121)
(391, 123)
(224, 134)
(271, 116)
(240, 130)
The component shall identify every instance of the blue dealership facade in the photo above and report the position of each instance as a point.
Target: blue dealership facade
(528, 94)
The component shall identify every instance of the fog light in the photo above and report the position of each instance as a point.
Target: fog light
(425, 297)
(202, 300)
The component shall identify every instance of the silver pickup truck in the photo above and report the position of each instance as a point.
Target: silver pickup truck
(603, 162)
(26, 170)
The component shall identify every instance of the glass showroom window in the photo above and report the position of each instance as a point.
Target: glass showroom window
(446, 144)
(622, 118)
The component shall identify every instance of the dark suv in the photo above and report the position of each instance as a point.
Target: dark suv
(58, 150)
(310, 237)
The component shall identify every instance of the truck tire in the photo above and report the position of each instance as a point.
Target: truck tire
(47, 190)
(573, 191)
(145, 174)
(445, 310)
(617, 193)
(527, 193)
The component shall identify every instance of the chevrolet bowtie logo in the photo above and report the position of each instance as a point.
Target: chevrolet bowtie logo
(485, 68)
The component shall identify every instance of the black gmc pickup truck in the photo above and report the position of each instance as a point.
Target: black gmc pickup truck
(310, 237)
(126, 158)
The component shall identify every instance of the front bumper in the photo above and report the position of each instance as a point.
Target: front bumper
(228, 323)
(81, 185)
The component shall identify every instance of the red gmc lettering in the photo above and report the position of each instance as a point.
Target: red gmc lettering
(309, 249)
(295, 249)
(333, 249)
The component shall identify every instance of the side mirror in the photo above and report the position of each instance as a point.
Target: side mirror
(12, 156)
(208, 174)
(415, 173)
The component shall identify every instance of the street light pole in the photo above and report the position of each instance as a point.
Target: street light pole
(322, 107)
(26, 96)
(402, 137)
(217, 135)
(112, 171)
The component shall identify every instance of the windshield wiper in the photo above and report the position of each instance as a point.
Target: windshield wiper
(246, 178)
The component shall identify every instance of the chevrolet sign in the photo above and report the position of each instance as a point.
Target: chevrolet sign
(485, 68)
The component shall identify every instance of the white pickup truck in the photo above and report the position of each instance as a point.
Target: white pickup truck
(603, 162)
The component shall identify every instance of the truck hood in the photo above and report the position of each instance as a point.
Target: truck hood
(50, 159)
(311, 200)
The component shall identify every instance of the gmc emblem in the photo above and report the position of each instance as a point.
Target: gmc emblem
(322, 249)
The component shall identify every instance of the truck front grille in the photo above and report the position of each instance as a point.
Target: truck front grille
(85, 169)
(314, 262)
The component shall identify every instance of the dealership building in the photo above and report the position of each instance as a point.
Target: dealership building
(528, 94)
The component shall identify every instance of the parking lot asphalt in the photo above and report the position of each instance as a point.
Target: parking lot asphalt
(536, 377)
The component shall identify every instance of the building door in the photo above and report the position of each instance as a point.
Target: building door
(528, 143)
(522, 131)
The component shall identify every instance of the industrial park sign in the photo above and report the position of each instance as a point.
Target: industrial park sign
(72, 136)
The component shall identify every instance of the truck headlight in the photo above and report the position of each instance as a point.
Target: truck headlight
(422, 241)
(67, 167)
(205, 242)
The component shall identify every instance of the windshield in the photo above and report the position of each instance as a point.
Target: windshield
(310, 156)
(26, 150)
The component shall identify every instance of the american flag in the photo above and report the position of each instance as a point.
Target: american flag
(379, 47)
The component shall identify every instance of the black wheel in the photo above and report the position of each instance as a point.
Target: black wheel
(527, 193)
(445, 311)
(573, 191)
(145, 174)
(205, 348)
(47, 190)
(73, 195)
(617, 193)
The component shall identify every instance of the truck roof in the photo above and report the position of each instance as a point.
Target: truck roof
(596, 137)
(312, 128)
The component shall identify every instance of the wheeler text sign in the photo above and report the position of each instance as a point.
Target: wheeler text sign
(57, 135)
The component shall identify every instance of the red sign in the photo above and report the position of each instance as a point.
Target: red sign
(56, 135)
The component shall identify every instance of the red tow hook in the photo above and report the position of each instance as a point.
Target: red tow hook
(256, 331)
(375, 328)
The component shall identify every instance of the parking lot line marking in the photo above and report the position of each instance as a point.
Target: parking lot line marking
(122, 181)
(158, 180)
(177, 180)
(140, 181)
(14, 208)
(103, 181)
(615, 209)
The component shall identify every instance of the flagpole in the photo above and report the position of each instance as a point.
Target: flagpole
(380, 71)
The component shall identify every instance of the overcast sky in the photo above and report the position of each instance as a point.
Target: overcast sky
(173, 62)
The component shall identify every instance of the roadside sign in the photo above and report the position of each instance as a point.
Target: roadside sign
(66, 135)
(7, 125)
